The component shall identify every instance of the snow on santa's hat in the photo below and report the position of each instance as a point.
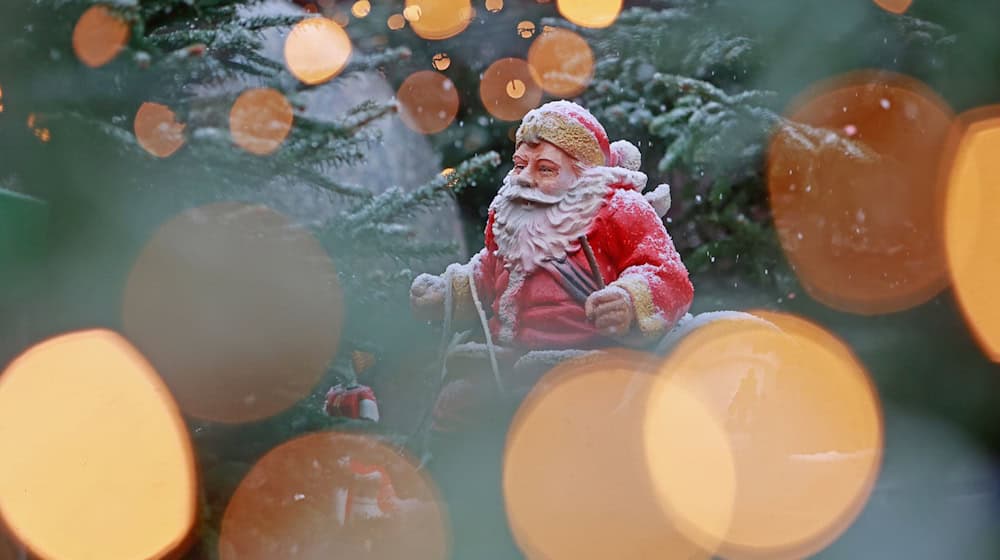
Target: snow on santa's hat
(575, 131)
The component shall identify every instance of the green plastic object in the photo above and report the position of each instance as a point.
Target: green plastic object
(24, 222)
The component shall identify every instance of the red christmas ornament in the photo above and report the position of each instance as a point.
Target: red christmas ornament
(352, 401)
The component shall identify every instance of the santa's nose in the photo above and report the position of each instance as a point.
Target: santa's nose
(525, 180)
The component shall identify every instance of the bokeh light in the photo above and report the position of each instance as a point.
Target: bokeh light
(9, 550)
(361, 8)
(40, 132)
(428, 101)
(441, 61)
(239, 309)
(157, 129)
(334, 495)
(590, 13)
(99, 36)
(316, 50)
(494, 6)
(971, 232)
(561, 62)
(575, 483)
(804, 425)
(260, 120)
(525, 29)
(96, 457)
(507, 89)
(894, 6)
(440, 19)
(855, 198)
(395, 22)
(1, 99)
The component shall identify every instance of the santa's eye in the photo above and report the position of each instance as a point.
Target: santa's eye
(546, 170)
(518, 166)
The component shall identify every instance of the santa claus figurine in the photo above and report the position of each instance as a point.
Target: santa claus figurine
(576, 257)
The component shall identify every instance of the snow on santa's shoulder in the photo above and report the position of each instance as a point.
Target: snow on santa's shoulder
(630, 201)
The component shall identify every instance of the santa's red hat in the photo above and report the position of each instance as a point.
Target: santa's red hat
(577, 132)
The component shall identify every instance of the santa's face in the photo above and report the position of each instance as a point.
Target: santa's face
(545, 204)
(543, 173)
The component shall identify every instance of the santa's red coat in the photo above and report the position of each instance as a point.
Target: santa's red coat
(633, 251)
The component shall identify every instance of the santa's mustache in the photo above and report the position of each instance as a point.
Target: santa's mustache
(520, 191)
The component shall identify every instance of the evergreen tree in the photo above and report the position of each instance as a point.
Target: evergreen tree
(684, 79)
(105, 192)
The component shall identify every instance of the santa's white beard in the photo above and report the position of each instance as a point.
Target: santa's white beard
(530, 226)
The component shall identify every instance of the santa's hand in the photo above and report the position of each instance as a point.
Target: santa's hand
(610, 309)
(427, 297)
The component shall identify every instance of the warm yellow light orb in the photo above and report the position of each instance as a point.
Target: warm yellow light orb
(316, 50)
(107, 471)
(590, 13)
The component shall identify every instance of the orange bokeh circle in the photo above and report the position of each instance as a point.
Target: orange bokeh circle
(854, 193)
(428, 101)
(590, 13)
(804, 425)
(238, 307)
(507, 89)
(157, 129)
(972, 203)
(316, 50)
(260, 120)
(439, 19)
(108, 470)
(574, 480)
(561, 62)
(334, 495)
(99, 35)
(894, 6)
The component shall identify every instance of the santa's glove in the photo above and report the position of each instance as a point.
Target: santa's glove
(610, 310)
(427, 297)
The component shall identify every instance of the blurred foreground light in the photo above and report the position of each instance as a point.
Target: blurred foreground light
(1, 100)
(260, 120)
(575, 483)
(316, 50)
(99, 36)
(441, 61)
(590, 13)
(96, 457)
(971, 232)
(894, 6)
(334, 495)
(428, 102)
(507, 89)
(9, 550)
(561, 62)
(439, 19)
(854, 192)
(239, 309)
(361, 8)
(157, 130)
(804, 425)
(494, 6)
(936, 497)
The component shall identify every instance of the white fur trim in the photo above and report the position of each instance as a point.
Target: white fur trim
(368, 410)
(659, 198)
(626, 155)
(507, 309)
